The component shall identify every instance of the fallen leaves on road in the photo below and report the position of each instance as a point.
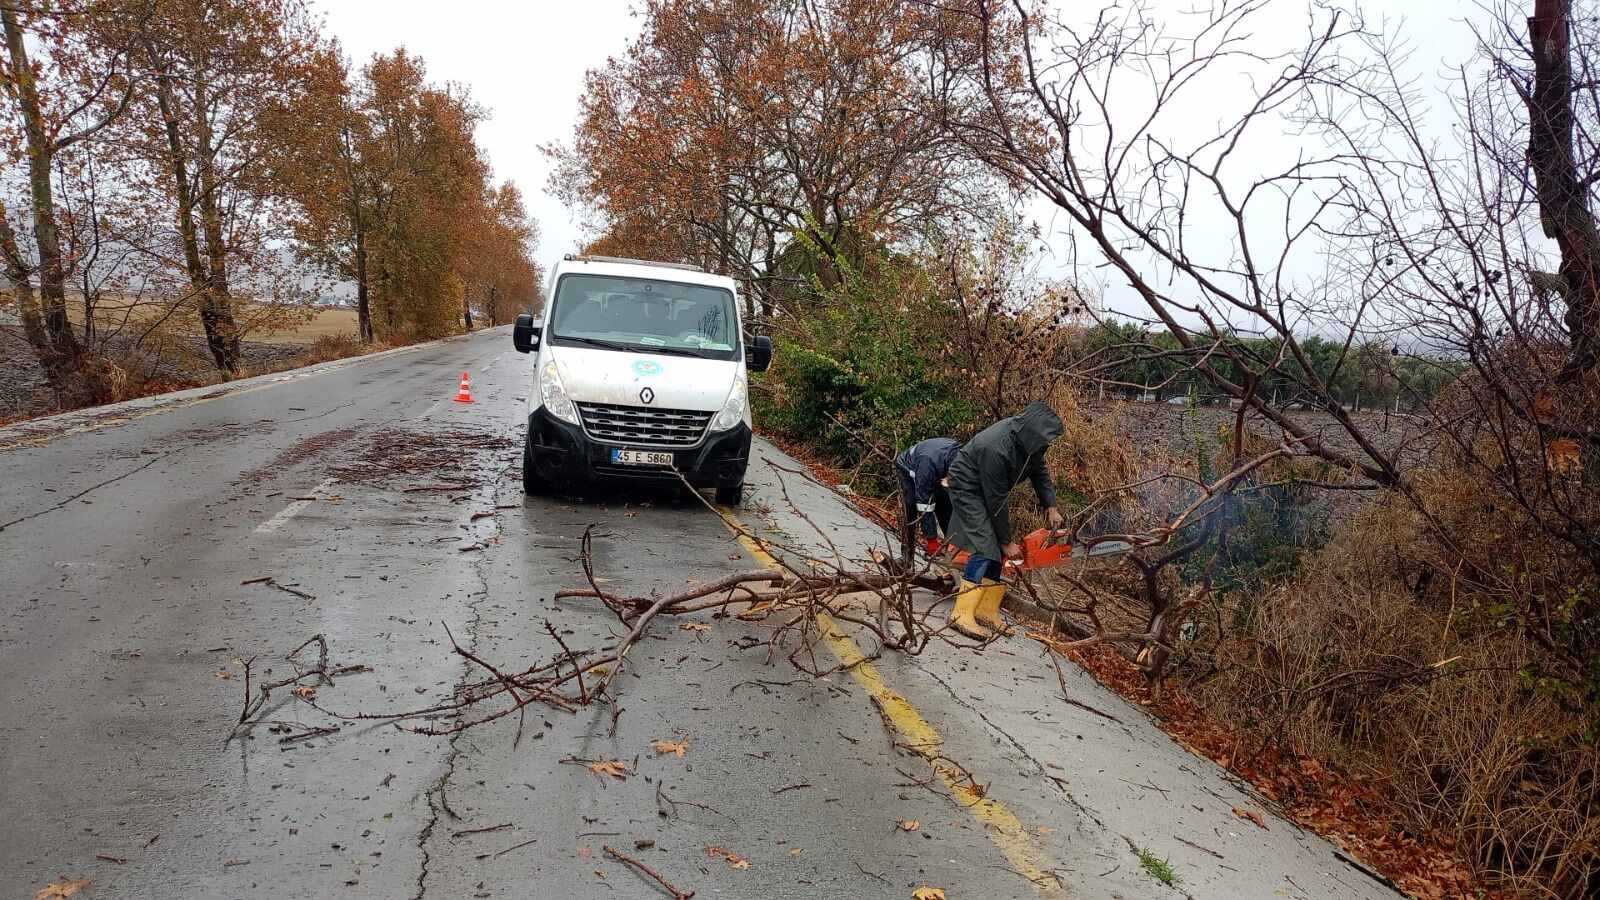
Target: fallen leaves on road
(663, 747)
(735, 861)
(756, 611)
(927, 893)
(909, 825)
(1250, 815)
(224, 674)
(693, 626)
(305, 692)
(616, 768)
(61, 889)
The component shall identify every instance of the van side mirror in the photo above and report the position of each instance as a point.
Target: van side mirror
(526, 333)
(760, 357)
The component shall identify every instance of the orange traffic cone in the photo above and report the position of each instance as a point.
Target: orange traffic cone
(465, 394)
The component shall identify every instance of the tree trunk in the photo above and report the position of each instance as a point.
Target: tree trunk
(1563, 197)
(363, 296)
(178, 160)
(21, 278)
(222, 332)
(358, 229)
(59, 350)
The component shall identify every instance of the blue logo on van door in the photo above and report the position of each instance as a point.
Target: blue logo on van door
(647, 367)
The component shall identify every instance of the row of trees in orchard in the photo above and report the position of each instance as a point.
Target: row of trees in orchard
(1293, 212)
(221, 161)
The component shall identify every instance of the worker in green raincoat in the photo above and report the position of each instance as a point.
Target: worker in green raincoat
(981, 478)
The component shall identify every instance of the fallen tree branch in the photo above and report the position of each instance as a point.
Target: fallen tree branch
(665, 884)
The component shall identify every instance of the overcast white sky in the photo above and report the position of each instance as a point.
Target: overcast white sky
(525, 62)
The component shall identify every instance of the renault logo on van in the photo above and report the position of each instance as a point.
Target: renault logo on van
(647, 396)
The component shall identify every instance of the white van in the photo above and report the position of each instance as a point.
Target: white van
(639, 372)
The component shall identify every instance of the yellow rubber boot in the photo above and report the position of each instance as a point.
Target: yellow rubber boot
(961, 617)
(988, 612)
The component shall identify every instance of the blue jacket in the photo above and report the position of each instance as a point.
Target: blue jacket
(924, 465)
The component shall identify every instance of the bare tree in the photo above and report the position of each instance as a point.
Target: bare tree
(53, 116)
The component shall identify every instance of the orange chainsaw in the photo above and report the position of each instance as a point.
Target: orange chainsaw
(1041, 549)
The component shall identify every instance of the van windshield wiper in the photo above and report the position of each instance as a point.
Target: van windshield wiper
(673, 351)
(595, 342)
(627, 347)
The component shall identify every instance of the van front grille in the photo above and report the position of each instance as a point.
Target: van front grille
(643, 425)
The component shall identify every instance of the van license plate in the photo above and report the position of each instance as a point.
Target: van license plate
(640, 458)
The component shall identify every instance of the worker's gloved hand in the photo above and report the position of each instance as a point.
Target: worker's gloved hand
(933, 546)
(1012, 551)
(1053, 516)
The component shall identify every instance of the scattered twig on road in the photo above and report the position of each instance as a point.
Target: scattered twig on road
(871, 874)
(1200, 848)
(437, 487)
(255, 701)
(119, 860)
(676, 893)
(792, 787)
(466, 831)
(670, 809)
(271, 581)
(514, 847)
(1062, 679)
(310, 733)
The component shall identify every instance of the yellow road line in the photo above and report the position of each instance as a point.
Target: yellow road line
(1000, 824)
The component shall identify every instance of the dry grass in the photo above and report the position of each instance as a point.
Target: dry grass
(262, 323)
(1410, 688)
(1410, 683)
(324, 323)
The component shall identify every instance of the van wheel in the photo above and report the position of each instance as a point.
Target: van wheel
(531, 482)
(730, 496)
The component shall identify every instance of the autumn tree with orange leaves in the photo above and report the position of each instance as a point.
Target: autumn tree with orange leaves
(396, 196)
(220, 162)
(731, 127)
(62, 88)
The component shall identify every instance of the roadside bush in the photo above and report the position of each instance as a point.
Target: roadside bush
(904, 347)
(112, 376)
(1423, 687)
(1466, 693)
(329, 347)
(855, 379)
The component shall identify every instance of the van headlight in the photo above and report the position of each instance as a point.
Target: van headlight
(732, 412)
(554, 395)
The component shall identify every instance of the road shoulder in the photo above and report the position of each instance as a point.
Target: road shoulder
(1117, 768)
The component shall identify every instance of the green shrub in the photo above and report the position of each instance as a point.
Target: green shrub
(858, 378)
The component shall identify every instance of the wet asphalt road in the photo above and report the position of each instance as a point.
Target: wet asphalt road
(127, 539)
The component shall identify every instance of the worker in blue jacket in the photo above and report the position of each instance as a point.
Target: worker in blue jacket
(922, 469)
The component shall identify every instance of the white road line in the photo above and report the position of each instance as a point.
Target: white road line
(293, 509)
(429, 411)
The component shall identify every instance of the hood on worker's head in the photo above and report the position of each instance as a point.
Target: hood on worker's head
(1037, 426)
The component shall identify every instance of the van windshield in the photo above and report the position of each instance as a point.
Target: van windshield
(644, 315)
